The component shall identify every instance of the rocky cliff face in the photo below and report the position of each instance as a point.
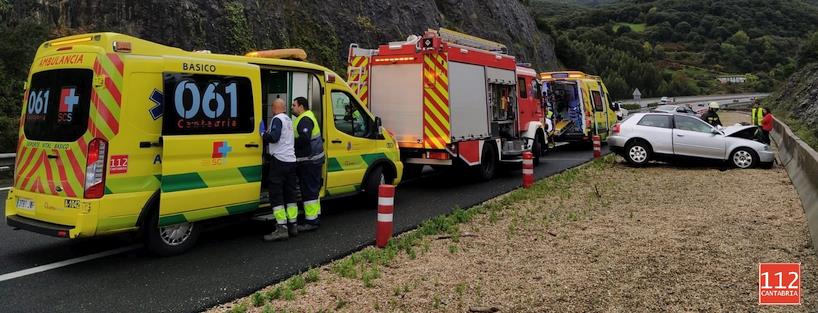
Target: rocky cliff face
(797, 101)
(323, 28)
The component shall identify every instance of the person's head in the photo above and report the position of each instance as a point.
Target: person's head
(766, 111)
(279, 106)
(755, 103)
(300, 105)
(713, 106)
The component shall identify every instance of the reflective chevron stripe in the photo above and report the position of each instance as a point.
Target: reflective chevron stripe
(436, 126)
(198, 215)
(217, 178)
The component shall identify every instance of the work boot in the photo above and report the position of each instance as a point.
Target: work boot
(308, 226)
(292, 229)
(279, 233)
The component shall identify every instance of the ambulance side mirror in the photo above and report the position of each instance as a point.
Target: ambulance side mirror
(379, 125)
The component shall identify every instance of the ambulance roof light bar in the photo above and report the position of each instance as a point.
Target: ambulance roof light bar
(469, 40)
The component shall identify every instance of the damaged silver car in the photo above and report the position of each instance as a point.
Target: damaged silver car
(643, 137)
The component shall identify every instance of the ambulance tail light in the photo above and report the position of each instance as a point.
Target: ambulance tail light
(122, 46)
(95, 169)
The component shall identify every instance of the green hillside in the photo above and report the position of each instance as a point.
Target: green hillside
(674, 47)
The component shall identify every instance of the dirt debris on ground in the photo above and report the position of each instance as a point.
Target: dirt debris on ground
(601, 238)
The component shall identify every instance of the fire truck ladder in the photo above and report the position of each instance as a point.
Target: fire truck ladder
(357, 71)
(470, 41)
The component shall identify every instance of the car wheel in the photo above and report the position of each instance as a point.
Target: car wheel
(172, 239)
(637, 153)
(743, 158)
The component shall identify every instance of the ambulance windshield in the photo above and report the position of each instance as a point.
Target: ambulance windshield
(57, 105)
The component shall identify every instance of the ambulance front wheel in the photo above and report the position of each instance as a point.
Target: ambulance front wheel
(172, 239)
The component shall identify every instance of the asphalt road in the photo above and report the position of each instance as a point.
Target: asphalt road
(230, 261)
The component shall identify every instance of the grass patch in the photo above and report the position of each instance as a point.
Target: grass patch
(296, 282)
(313, 275)
(239, 308)
(258, 299)
(637, 28)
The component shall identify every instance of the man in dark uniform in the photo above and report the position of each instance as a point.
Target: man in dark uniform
(309, 153)
(711, 117)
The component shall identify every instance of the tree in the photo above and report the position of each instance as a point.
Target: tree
(617, 86)
(740, 39)
(808, 53)
(683, 27)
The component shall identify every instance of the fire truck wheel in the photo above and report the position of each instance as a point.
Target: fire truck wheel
(536, 149)
(488, 163)
(172, 239)
(412, 170)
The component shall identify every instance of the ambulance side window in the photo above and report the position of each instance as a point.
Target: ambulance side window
(596, 96)
(198, 104)
(350, 118)
(316, 98)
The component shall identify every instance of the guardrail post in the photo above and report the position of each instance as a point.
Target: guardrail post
(386, 207)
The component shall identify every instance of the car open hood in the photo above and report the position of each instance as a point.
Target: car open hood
(746, 132)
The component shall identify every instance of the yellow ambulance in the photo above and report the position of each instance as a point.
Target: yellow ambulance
(121, 134)
(580, 106)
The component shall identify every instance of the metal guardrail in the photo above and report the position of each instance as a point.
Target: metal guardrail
(801, 162)
(6, 161)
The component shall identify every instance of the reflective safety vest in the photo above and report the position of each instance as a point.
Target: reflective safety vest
(757, 115)
(550, 114)
(316, 143)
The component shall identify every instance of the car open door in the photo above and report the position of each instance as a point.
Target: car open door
(211, 162)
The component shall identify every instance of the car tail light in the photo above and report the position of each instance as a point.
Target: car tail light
(95, 169)
(616, 128)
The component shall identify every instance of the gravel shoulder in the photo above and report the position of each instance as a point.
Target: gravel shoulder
(604, 237)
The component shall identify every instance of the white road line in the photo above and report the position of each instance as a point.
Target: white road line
(47, 267)
(5, 188)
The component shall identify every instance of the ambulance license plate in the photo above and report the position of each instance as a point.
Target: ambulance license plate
(25, 204)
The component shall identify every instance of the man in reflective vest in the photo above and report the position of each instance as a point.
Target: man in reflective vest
(757, 113)
(309, 153)
(281, 179)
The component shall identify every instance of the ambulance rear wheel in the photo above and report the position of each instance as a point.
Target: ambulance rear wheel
(488, 163)
(172, 239)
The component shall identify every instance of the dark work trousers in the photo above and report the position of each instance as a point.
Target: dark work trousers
(282, 184)
(310, 179)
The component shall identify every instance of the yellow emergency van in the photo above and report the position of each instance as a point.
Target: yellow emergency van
(580, 105)
(121, 134)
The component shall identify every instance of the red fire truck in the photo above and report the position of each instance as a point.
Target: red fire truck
(451, 99)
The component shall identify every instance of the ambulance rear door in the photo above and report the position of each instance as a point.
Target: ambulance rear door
(211, 147)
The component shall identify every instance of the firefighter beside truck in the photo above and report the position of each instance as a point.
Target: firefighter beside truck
(121, 134)
(451, 99)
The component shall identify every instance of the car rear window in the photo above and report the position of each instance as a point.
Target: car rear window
(662, 121)
(57, 105)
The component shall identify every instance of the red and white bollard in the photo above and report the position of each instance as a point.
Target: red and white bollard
(528, 169)
(597, 147)
(386, 206)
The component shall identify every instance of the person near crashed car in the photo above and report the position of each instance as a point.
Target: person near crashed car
(711, 117)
